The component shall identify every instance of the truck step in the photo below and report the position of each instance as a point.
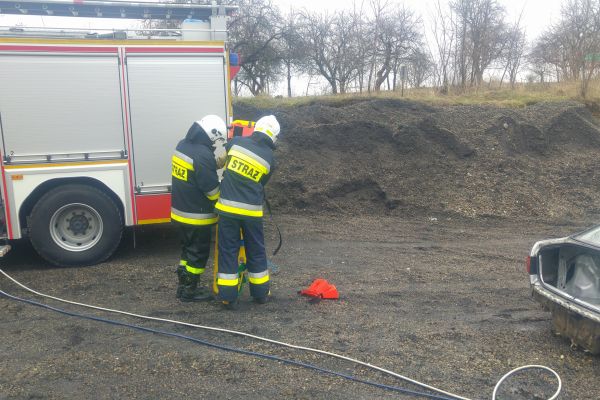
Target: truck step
(4, 249)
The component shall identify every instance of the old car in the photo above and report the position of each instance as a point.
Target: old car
(565, 277)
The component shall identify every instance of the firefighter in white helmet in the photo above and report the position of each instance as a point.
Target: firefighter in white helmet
(248, 168)
(195, 189)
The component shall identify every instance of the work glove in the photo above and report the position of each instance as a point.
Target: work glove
(220, 156)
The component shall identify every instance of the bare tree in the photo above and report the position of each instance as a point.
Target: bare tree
(591, 46)
(254, 33)
(398, 34)
(330, 43)
(420, 67)
(539, 62)
(292, 49)
(547, 58)
(572, 46)
(513, 52)
(579, 34)
(480, 31)
(364, 31)
(462, 45)
(379, 9)
(444, 38)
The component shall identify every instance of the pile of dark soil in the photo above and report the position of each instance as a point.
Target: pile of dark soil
(395, 157)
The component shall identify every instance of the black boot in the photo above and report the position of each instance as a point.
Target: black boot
(188, 290)
(233, 305)
(263, 300)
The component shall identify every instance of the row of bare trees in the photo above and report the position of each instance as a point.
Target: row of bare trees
(471, 38)
(359, 49)
(570, 50)
(375, 45)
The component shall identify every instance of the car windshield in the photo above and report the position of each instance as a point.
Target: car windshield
(592, 236)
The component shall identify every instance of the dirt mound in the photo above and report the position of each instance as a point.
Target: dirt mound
(518, 138)
(399, 157)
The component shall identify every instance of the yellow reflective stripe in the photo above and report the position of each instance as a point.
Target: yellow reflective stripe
(179, 172)
(192, 221)
(153, 221)
(238, 211)
(244, 168)
(259, 281)
(227, 282)
(183, 163)
(195, 271)
(255, 164)
(251, 154)
(268, 132)
(214, 196)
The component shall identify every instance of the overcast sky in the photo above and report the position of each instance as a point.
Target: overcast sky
(537, 14)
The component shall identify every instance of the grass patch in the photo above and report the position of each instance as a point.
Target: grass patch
(521, 96)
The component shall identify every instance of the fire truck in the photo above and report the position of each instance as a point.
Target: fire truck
(89, 121)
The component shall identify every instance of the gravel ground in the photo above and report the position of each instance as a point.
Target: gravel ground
(442, 301)
(421, 216)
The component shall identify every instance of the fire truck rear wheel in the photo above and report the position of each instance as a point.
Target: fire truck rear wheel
(75, 225)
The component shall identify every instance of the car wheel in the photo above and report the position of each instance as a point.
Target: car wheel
(75, 225)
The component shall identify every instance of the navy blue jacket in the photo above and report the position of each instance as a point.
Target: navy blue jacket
(194, 181)
(249, 167)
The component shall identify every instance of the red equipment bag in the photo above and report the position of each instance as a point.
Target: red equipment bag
(322, 289)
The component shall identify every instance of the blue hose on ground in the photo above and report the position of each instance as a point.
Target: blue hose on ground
(230, 349)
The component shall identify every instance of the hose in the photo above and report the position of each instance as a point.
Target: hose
(288, 345)
(227, 348)
(276, 227)
(243, 334)
(505, 377)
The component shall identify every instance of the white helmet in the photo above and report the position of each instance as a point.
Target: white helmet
(215, 128)
(269, 126)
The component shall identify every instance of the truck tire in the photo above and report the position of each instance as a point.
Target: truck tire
(75, 225)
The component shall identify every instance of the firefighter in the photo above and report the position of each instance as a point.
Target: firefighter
(195, 189)
(248, 167)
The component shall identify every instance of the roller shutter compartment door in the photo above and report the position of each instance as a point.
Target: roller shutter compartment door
(167, 94)
(61, 104)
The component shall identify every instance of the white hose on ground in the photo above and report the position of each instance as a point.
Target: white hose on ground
(505, 377)
(283, 344)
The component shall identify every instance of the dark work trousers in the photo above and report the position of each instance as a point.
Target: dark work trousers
(256, 258)
(195, 246)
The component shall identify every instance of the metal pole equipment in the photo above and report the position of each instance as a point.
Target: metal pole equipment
(115, 9)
